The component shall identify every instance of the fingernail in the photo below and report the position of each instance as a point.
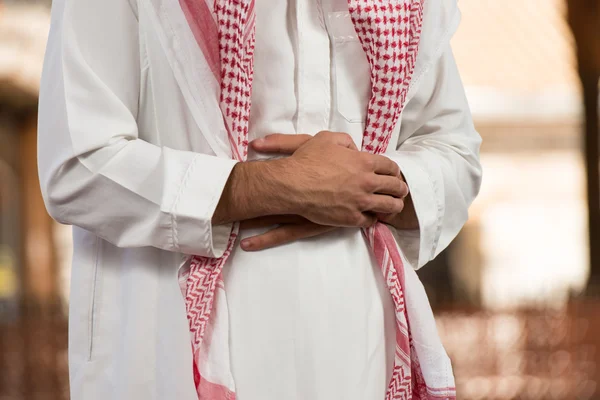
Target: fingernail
(247, 244)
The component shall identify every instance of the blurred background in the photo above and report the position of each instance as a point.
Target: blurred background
(515, 294)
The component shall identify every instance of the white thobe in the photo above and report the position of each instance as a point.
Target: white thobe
(125, 158)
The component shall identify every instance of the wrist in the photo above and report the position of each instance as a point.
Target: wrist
(255, 189)
(286, 188)
(276, 181)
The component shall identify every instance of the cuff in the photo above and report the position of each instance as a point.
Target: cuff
(419, 246)
(199, 195)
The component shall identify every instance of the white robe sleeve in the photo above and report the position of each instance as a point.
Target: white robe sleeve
(438, 153)
(95, 171)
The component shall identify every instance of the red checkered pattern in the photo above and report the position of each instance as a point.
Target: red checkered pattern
(236, 39)
(389, 31)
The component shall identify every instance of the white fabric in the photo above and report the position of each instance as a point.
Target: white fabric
(126, 158)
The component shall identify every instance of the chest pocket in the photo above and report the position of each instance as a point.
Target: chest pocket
(350, 68)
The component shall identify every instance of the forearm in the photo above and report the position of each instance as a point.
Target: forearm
(256, 189)
(324, 180)
(96, 170)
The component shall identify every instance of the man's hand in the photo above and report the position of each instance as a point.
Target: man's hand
(326, 180)
(291, 228)
(405, 220)
(331, 183)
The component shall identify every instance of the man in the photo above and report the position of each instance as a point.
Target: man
(145, 120)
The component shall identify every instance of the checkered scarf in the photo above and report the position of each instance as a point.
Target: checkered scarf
(389, 31)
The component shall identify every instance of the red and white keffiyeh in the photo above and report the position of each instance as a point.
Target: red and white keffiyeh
(389, 31)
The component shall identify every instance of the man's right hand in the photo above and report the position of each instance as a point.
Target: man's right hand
(325, 179)
(332, 183)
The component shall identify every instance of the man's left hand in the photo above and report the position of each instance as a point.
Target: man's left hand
(293, 227)
(290, 229)
(405, 220)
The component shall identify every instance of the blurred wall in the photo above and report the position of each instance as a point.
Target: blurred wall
(518, 66)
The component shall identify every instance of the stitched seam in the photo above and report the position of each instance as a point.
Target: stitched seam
(440, 212)
(343, 39)
(340, 14)
(445, 38)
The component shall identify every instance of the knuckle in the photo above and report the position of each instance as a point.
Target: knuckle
(404, 189)
(368, 161)
(368, 183)
(396, 189)
(391, 205)
(342, 138)
(389, 165)
(304, 137)
(387, 205)
(345, 136)
(359, 220)
(393, 167)
(398, 205)
(367, 222)
(363, 202)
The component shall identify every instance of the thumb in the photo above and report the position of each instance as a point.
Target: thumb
(280, 143)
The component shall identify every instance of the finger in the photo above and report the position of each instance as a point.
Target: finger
(390, 185)
(280, 143)
(339, 138)
(388, 218)
(385, 166)
(367, 220)
(284, 234)
(263, 222)
(384, 204)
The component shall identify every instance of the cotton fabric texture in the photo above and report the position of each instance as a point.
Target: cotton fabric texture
(134, 152)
